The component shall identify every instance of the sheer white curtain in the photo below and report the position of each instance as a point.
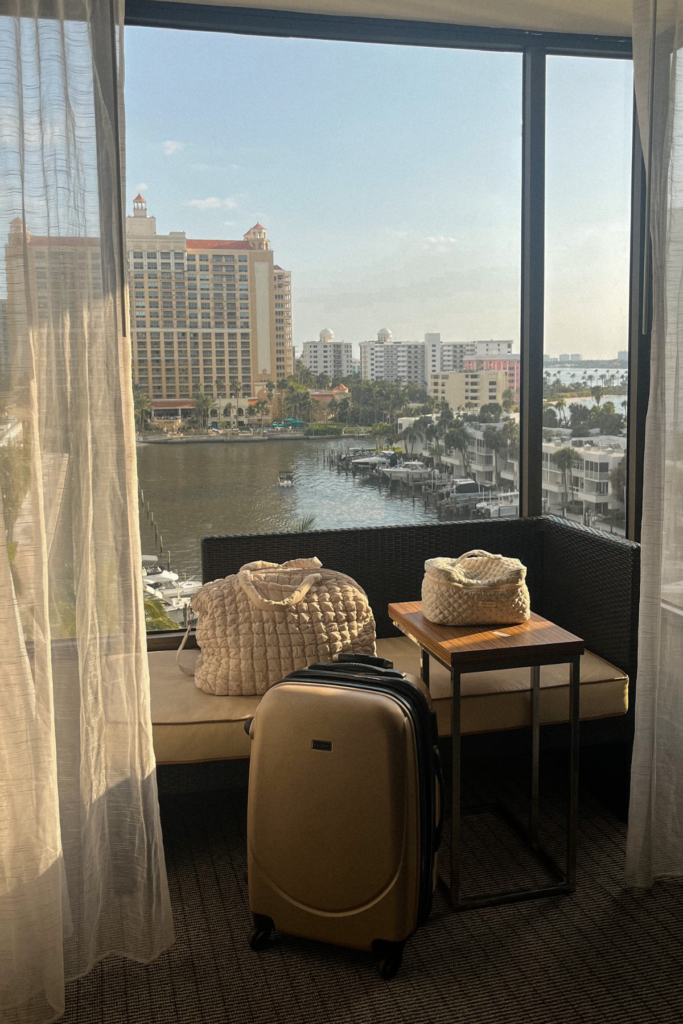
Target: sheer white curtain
(655, 836)
(81, 859)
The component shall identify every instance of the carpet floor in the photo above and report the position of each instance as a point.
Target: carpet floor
(605, 954)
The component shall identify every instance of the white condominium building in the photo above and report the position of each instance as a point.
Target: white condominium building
(223, 313)
(447, 356)
(328, 356)
(386, 359)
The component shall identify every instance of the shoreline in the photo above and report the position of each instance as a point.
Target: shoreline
(208, 439)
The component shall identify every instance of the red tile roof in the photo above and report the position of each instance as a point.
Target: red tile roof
(63, 240)
(216, 243)
(182, 404)
(139, 199)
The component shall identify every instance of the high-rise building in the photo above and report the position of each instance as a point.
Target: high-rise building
(328, 356)
(54, 289)
(386, 359)
(451, 355)
(223, 312)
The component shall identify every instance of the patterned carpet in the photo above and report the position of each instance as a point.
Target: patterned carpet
(605, 954)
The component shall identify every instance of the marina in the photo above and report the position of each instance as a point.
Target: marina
(188, 492)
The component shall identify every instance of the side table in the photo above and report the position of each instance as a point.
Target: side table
(464, 649)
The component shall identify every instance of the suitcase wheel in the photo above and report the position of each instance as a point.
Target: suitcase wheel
(261, 933)
(391, 958)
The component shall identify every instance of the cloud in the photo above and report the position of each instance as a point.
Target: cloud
(230, 223)
(439, 243)
(213, 203)
(142, 186)
(171, 147)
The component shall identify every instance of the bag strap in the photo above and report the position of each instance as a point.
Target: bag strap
(263, 602)
(477, 553)
(177, 654)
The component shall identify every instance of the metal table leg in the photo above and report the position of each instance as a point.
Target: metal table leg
(425, 667)
(573, 831)
(535, 751)
(454, 892)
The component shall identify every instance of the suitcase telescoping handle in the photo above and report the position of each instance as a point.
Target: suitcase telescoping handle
(353, 668)
(363, 659)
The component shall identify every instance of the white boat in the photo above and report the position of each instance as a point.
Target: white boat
(465, 485)
(501, 506)
(156, 578)
(186, 588)
(412, 472)
(371, 462)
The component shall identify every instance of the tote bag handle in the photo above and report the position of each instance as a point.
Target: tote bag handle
(476, 553)
(264, 602)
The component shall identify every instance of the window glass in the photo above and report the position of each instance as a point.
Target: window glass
(588, 196)
(389, 229)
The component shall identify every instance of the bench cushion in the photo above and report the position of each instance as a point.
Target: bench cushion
(190, 725)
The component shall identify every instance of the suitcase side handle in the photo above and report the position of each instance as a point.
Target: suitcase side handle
(363, 659)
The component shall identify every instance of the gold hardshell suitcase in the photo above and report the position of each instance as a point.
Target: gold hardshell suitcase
(345, 799)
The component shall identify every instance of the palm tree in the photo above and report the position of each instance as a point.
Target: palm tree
(228, 411)
(597, 392)
(559, 405)
(617, 478)
(235, 387)
(459, 438)
(413, 433)
(202, 404)
(303, 375)
(564, 460)
(251, 411)
(304, 524)
(270, 389)
(142, 406)
(507, 400)
(494, 440)
(220, 387)
(261, 408)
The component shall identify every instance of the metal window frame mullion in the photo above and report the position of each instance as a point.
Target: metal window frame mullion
(639, 340)
(532, 283)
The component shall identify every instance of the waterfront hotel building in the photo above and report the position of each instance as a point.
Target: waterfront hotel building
(206, 314)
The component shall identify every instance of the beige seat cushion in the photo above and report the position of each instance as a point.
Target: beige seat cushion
(190, 725)
(494, 701)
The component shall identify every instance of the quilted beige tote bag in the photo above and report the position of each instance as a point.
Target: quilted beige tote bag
(269, 619)
(476, 589)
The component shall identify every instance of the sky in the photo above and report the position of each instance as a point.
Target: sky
(388, 178)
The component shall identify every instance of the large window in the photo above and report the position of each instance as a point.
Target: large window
(589, 123)
(331, 249)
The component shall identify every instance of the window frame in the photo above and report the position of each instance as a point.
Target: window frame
(535, 47)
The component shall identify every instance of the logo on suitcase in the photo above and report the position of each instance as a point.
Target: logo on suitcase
(321, 744)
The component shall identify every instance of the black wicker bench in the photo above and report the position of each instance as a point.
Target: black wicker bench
(585, 580)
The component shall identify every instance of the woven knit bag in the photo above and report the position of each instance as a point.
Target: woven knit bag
(268, 620)
(476, 589)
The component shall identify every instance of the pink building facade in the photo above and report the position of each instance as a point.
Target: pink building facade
(509, 365)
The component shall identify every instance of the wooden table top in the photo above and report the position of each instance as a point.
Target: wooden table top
(534, 642)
